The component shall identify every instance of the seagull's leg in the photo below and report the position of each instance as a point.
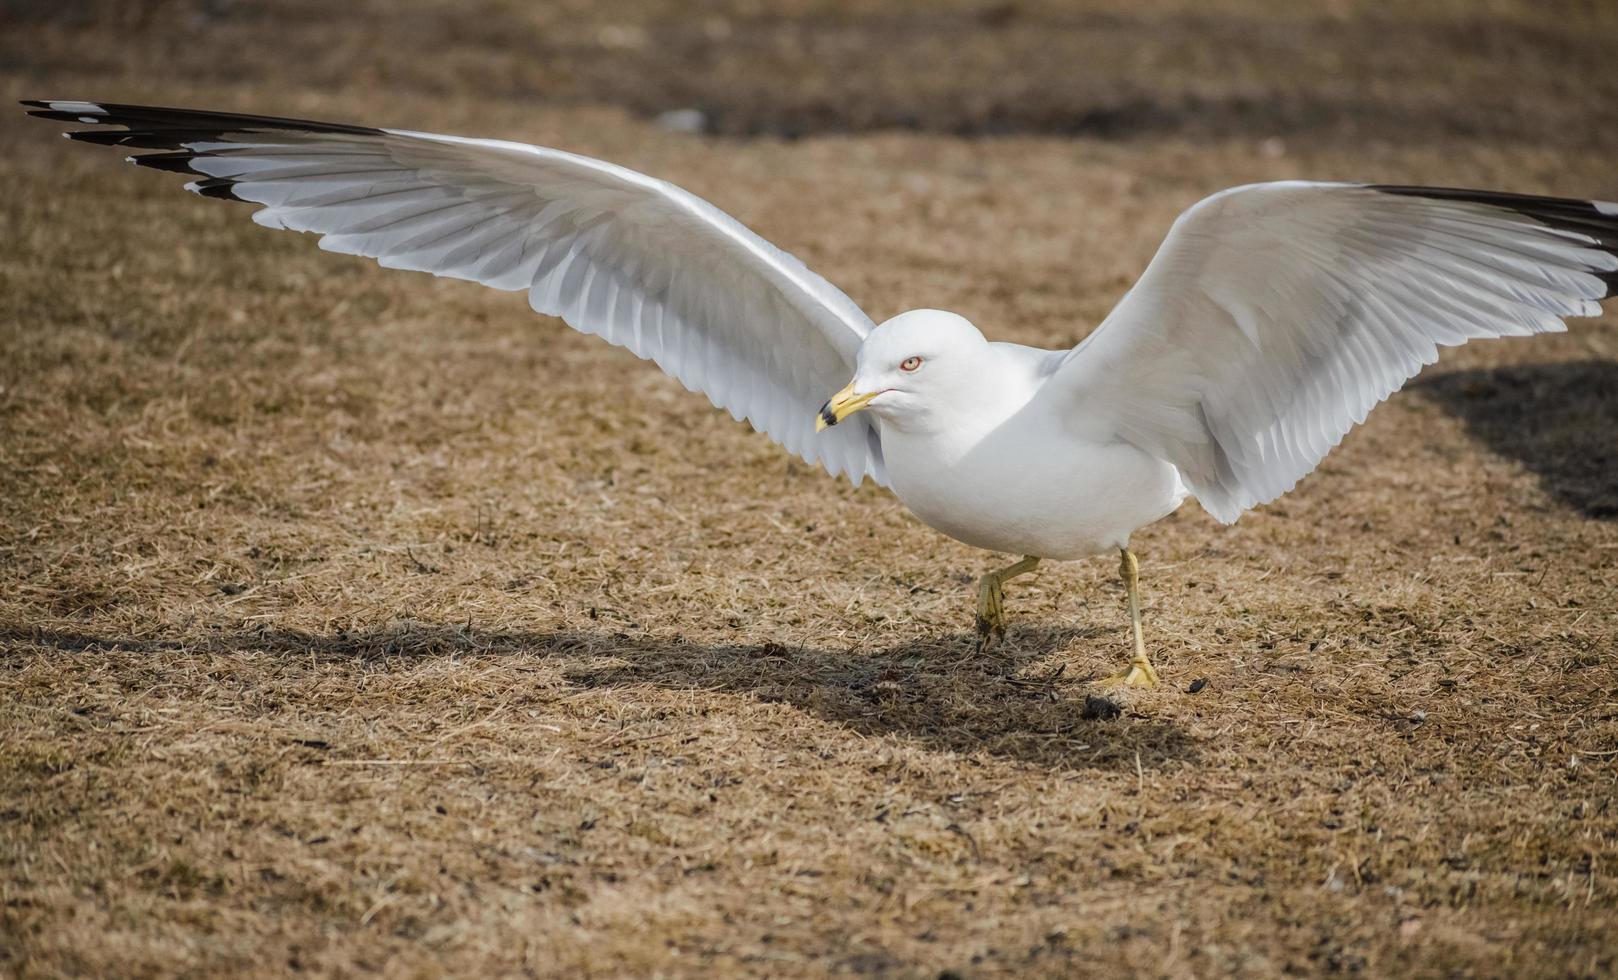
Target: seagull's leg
(1141, 673)
(992, 600)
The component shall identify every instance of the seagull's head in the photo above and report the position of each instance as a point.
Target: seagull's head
(908, 366)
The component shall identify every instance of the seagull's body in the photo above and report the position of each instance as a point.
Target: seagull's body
(1271, 320)
(1001, 467)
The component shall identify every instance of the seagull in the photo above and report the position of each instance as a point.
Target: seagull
(1273, 317)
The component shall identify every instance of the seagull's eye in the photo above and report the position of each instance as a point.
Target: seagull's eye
(910, 364)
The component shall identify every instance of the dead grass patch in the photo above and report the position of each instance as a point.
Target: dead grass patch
(357, 622)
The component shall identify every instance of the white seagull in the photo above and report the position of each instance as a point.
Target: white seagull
(1271, 320)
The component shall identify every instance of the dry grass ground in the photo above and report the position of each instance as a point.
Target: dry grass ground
(357, 622)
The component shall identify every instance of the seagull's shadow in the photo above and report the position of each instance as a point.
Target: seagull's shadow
(1559, 420)
(1024, 701)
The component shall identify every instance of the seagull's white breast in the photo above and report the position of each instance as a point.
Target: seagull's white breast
(1011, 476)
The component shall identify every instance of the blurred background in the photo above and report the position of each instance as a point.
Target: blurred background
(1416, 71)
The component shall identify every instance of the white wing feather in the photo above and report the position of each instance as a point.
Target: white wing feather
(635, 260)
(1275, 316)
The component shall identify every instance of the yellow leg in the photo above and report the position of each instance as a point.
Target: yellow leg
(992, 600)
(1141, 673)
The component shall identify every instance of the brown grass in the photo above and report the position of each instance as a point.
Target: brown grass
(357, 622)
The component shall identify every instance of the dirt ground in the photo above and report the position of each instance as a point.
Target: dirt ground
(356, 622)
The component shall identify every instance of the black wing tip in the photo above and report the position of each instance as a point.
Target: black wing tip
(1596, 221)
(189, 123)
(65, 110)
(1559, 211)
(50, 104)
(1611, 279)
(178, 162)
(175, 131)
(222, 188)
(105, 137)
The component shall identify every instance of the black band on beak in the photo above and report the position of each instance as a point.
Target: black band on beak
(826, 415)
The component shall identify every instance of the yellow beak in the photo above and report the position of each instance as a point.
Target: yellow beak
(842, 405)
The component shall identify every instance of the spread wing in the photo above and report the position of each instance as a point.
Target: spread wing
(1275, 316)
(615, 253)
